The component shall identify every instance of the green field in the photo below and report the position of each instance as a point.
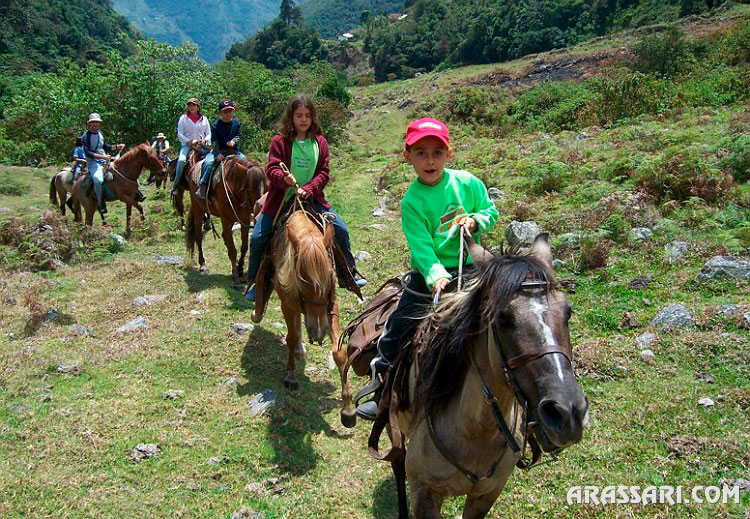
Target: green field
(65, 439)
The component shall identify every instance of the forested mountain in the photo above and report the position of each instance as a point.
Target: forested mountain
(213, 26)
(36, 34)
(483, 31)
(333, 17)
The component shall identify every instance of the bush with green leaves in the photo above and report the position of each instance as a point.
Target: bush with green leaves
(616, 228)
(665, 53)
(552, 106)
(621, 96)
(737, 159)
(548, 177)
(478, 106)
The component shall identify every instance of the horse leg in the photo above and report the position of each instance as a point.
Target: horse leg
(244, 233)
(478, 507)
(63, 196)
(293, 338)
(198, 229)
(226, 233)
(128, 210)
(426, 503)
(348, 417)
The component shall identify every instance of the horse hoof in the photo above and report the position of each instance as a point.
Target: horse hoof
(291, 385)
(348, 419)
(300, 353)
(203, 268)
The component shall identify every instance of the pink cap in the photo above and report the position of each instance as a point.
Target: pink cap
(427, 127)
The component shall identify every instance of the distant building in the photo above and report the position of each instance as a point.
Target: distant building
(347, 36)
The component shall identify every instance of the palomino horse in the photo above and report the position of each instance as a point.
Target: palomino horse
(59, 189)
(124, 183)
(240, 185)
(494, 374)
(305, 280)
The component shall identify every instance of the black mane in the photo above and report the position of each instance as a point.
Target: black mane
(444, 362)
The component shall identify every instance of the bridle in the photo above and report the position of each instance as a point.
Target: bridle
(527, 428)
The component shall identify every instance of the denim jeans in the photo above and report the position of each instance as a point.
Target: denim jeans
(96, 170)
(208, 164)
(181, 160)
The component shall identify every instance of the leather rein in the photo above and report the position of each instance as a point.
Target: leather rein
(508, 365)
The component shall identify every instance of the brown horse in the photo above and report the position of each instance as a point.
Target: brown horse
(305, 280)
(496, 373)
(240, 185)
(59, 189)
(124, 183)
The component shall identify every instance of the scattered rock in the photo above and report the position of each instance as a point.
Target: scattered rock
(379, 226)
(723, 266)
(641, 233)
(116, 242)
(648, 356)
(582, 136)
(22, 409)
(557, 264)
(79, 330)
(136, 324)
(5, 210)
(674, 315)
(214, 461)
(640, 283)
(144, 451)
(729, 310)
(743, 484)
(52, 317)
(200, 296)
(9, 300)
(70, 369)
(708, 379)
(262, 402)
(362, 256)
(278, 325)
(173, 394)
(168, 260)
(57, 264)
(230, 382)
(405, 103)
(242, 328)
(196, 312)
(496, 194)
(675, 252)
(569, 238)
(248, 513)
(706, 402)
(629, 321)
(256, 490)
(148, 300)
(521, 232)
(236, 227)
(331, 363)
(645, 340)
(745, 322)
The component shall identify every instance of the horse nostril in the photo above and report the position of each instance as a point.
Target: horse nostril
(552, 414)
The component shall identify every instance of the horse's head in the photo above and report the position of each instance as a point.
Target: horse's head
(310, 276)
(152, 162)
(529, 317)
(247, 181)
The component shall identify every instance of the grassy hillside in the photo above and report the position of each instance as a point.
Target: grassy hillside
(333, 17)
(213, 29)
(65, 438)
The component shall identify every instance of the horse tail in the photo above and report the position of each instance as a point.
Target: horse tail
(190, 233)
(53, 191)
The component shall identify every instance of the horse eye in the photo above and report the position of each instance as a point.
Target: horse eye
(506, 319)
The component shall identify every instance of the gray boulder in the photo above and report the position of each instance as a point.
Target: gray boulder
(362, 255)
(722, 267)
(641, 233)
(168, 260)
(79, 330)
(148, 300)
(144, 451)
(729, 310)
(262, 402)
(521, 232)
(675, 251)
(675, 316)
(495, 194)
(645, 340)
(136, 324)
(242, 328)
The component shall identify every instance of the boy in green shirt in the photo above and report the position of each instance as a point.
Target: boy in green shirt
(436, 206)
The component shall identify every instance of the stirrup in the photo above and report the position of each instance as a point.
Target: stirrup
(376, 382)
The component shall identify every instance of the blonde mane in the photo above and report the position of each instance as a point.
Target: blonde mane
(311, 264)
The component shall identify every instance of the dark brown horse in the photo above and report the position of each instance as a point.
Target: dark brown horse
(305, 280)
(494, 374)
(124, 184)
(240, 185)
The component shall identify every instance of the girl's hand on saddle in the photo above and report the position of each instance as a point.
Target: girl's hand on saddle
(303, 194)
(468, 223)
(289, 179)
(440, 285)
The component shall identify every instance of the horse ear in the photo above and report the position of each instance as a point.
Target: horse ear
(328, 236)
(478, 253)
(541, 249)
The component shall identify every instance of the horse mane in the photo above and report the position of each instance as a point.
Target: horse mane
(461, 316)
(253, 173)
(309, 259)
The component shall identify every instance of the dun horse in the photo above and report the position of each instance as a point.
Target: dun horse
(305, 280)
(124, 183)
(238, 188)
(494, 375)
(58, 193)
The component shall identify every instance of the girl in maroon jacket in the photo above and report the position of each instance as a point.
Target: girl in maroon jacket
(301, 146)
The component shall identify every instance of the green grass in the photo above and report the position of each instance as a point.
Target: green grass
(68, 458)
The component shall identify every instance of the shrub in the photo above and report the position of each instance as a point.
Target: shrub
(616, 228)
(334, 117)
(735, 49)
(594, 253)
(478, 105)
(549, 177)
(682, 176)
(737, 161)
(665, 53)
(628, 95)
(718, 87)
(552, 106)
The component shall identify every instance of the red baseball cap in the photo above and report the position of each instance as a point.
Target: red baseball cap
(427, 127)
